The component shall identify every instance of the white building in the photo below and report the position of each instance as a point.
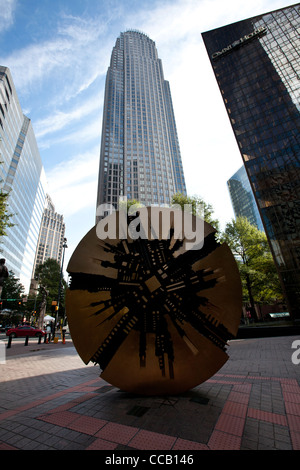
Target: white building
(51, 236)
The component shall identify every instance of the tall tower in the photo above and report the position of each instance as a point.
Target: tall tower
(242, 198)
(140, 155)
(256, 63)
(51, 236)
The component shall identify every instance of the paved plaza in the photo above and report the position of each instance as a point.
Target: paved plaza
(51, 400)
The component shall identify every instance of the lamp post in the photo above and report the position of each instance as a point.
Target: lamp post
(60, 280)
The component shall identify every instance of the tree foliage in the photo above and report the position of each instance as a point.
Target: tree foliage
(12, 307)
(250, 247)
(126, 204)
(12, 293)
(48, 276)
(199, 208)
(5, 215)
(251, 250)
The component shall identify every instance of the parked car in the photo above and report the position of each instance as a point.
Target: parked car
(20, 331)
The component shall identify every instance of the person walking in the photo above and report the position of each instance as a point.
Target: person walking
(53, 329)
(3, 274)
(48, 333)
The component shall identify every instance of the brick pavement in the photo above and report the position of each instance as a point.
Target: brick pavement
(49, 399)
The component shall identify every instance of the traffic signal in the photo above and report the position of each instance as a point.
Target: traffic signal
(53, 306)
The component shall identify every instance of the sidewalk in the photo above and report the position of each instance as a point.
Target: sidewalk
(49, 399)
(18, 347)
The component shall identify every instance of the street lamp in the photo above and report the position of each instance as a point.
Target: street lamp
(60, 280)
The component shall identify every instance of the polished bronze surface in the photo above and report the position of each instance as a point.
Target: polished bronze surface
(155, 314)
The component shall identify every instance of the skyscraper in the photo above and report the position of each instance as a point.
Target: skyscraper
(256, 63)
(140, 155)
(242, 198)
(22, 176)
(51, 236)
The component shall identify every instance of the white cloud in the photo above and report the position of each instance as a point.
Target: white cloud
(86, 134)
(7, 10)
(73, 184)
(38, 60)
(62, 60)
(61, 119)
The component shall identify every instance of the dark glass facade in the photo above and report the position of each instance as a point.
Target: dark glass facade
(242, 199)
(256, 63)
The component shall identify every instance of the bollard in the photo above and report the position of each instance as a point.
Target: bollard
(9, 342)
(26, 341)
(39, 341)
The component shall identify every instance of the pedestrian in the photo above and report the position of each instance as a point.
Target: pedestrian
(53, 329)
(48, 332)
(63, 335)
(3, 273)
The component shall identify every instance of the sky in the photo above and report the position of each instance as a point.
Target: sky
(58, 52)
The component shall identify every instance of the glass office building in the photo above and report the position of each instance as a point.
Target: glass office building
(22, 176)
(140, 155)
(242, 198)
(256, 63)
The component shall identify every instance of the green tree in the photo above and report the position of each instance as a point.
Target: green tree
(12, 294)
(5, 215)
(48, 275)
(126, 204)
(199, 208)
(257, 269)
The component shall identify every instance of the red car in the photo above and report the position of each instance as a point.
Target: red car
(25, 330)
